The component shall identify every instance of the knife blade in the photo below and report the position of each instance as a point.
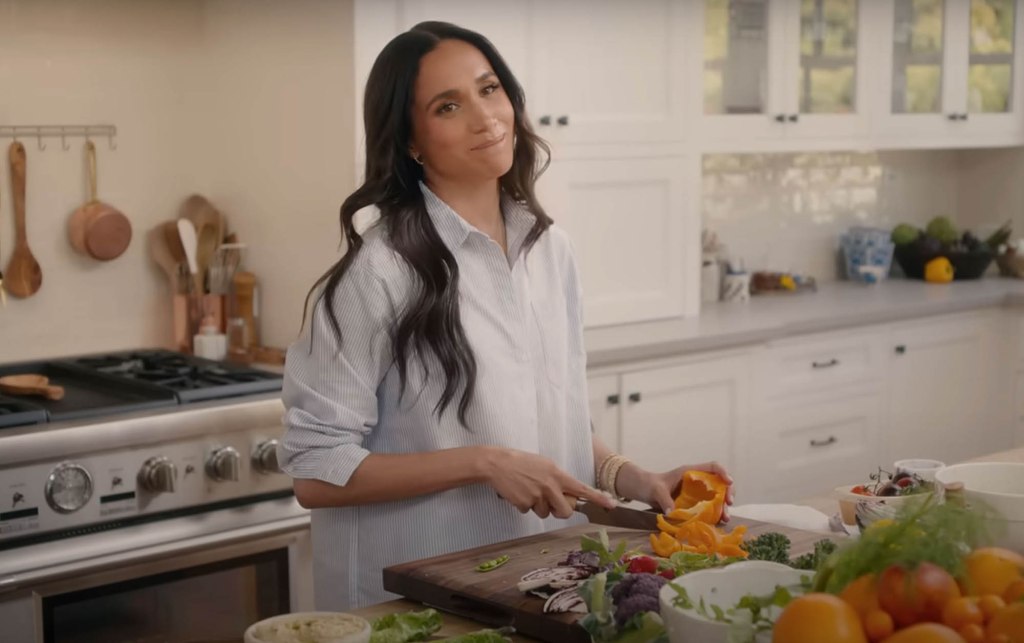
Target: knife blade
(619, 516)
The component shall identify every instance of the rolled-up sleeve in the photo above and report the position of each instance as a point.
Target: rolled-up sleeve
(330, 388)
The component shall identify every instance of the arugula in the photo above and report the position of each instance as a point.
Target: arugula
(404, 628)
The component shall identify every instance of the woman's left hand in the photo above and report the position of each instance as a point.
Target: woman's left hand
(659, 489)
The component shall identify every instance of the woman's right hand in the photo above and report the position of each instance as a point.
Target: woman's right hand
(534, 483)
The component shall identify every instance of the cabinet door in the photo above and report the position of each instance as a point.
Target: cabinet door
(608, 71)
(739, 69)
(627, 219)
(505, 24)
(827, 81)
(954, 70)
(809, 449)
(943, 392)
(685, 414)
(605, 403)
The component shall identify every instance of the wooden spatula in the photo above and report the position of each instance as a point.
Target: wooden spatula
(23, 276)
(30, 384)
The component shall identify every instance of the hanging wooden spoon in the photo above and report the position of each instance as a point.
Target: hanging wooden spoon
(23, 276)
(31, 384)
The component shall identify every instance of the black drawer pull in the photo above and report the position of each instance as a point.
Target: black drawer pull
(829, 364)
(634, 397)
(901, 349)
(613, 399)
(824, 443)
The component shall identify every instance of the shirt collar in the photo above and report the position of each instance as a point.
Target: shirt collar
(454, 230)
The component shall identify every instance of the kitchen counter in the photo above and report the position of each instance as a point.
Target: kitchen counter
(835, 305)
(455, 625)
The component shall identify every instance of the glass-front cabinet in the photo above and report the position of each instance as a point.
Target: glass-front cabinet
(775, 69)
(954, 72)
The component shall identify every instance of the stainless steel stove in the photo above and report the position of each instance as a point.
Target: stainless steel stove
(149, 455)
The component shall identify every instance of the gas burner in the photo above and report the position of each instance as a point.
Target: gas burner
(191, 378)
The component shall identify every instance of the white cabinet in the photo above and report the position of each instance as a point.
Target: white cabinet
(608, 71)
(605, 402)
(686, 413)
(944, 380)
(628, 222)
(807, 449)
(779, 70)
(953, 73)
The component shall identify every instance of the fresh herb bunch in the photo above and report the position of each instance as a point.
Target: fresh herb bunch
(771, 546)
(939, 533)
(752, 614)
(813, 560)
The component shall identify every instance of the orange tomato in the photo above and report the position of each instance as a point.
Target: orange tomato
(915, 596)
(925, 633)
(961, 612)
(814, 618)
(701, 496)
(1015, 592)
(990, 604)
(991, 570)
(973, 633)
(878, 625)
(1009, 622)
(861, 594)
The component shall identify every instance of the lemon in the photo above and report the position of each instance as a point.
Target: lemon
(938, 271)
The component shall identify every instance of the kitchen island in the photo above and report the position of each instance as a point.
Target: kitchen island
(455, 625)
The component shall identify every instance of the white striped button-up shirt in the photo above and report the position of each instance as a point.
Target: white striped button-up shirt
(522, 315)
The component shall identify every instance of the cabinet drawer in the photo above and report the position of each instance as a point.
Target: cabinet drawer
(816, 448)
(816, 364)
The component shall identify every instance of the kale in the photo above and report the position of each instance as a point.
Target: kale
(811, 561)
(771, 546)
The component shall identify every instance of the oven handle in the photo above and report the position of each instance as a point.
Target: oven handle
(152, 553)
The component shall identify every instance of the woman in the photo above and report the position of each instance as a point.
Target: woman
(437, 400)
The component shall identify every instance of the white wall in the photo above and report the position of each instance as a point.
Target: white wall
(248, 103)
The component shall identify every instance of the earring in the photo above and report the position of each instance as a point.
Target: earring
(418, 158)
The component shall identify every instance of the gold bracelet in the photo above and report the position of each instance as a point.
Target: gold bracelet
(599, 472)
(608, 474)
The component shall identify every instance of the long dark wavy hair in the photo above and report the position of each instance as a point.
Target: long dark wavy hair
(430, 323)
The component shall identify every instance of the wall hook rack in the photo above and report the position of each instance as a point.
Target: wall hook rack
(63, 132)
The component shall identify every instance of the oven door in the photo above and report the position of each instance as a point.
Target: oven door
(202, 589)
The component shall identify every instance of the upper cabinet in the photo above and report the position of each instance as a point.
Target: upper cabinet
(954, 73)
(779, 70)
(608, 71)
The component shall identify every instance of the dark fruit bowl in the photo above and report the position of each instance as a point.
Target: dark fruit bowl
(966, 265)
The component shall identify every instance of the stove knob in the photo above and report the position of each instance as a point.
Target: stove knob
(158, 475)
(264, 457)
(223, 464)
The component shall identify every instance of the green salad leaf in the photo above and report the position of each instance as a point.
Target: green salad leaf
(405, 628)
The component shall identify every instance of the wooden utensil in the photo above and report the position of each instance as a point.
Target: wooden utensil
(172, 239)
(97, 229)
(161, 255)
(209, 226)
(31, 384)
(244, 285)
(23, 276)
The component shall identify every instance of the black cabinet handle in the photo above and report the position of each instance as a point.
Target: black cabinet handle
(963, 117)
(953, 117)
(613, 400)
(781, 118)
(824, 443)
(634, 397)
(794, 118)
(900, 349)
(563, 120)
(544, 120)
(829, 364)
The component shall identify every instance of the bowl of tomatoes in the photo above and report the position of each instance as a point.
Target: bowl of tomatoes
(882, 496)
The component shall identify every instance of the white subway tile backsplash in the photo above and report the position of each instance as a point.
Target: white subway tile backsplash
(786, 211)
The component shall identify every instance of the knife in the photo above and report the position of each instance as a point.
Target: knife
(620, 516)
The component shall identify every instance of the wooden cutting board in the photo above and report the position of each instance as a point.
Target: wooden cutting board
(451, 583)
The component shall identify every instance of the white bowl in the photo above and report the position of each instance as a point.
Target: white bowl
(264, 631)
(723, 587)
(1000, 485)
(924, 469)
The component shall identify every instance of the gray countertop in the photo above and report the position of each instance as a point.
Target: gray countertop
(833, 306)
